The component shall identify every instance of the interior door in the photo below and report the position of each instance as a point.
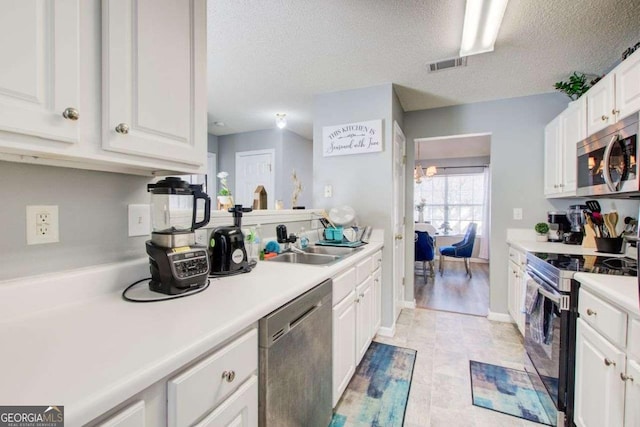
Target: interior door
(254, 168)
(399, 142)
(39, 44)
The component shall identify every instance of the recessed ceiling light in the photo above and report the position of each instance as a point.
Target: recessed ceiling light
(281, 120)
(482, 20)
(221, 124)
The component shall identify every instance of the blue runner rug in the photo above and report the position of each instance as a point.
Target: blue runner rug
(378, 392)
(506, 390)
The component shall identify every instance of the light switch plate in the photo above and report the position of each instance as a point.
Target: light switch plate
(517, 214)
(328, 191)
(139, 220)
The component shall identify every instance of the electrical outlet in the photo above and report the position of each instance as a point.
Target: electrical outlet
(42, 225)
(328, 191)
(517, 214)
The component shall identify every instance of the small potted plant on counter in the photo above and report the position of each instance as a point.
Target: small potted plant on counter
(542, 230)
(225, 199)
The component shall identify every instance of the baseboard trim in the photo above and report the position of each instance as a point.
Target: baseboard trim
(500, 317)
(387, 332)
(409, 304)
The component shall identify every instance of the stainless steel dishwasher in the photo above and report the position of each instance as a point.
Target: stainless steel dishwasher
(295, 362)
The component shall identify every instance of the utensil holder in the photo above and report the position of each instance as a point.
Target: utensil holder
(611, 245)
(334, 234)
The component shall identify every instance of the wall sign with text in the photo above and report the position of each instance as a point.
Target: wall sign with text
(352, 138)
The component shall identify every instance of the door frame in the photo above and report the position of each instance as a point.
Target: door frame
(399, 283)
(272, 152)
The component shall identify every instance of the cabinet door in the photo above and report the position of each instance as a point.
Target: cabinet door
(552, 157)
(39, 45)
(239, 410)
(364, 317)
(600, 103)
(599, 397)
(154, 79)
(632, 395)
(627, 76)
(377, 301)
(573, 130)
(344, 344)
(512, 290)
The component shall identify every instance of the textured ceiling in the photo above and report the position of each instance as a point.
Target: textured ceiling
(456, 147)
(266, 57)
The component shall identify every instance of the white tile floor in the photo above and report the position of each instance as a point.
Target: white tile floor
(441, 387)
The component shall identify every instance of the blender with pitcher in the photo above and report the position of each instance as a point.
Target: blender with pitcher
(177, 264)
(575, 215)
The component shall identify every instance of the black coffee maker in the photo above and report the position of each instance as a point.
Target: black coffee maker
(226, 247)
(558, 225)
(575, 215)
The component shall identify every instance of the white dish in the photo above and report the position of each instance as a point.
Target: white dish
(342, 215)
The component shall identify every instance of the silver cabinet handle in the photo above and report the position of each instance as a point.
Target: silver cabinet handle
(604, 118)
(624, 377)
(71, 114)
(122, 128)
(614, 111)
(609, 362)
(229, 375)
(591, 312)
(398, 236)
(361, 295)
(560, 185)
(358, 300)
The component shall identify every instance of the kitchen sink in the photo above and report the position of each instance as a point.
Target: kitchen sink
(306, 258)
(330, 250)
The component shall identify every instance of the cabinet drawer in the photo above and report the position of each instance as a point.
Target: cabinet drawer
(343, 284)
(132, 416)
(364, 269)
(377, 260)
(200, 388)
(516, 256)
(633, 343)
(240, 409)
(603, 317)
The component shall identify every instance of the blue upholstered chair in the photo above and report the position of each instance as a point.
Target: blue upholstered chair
(424, 252)
(462, 249)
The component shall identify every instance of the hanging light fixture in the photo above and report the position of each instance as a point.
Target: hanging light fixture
(431, 170)
(418, 173)
(281, 120)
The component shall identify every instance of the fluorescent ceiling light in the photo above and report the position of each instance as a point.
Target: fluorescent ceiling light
(482, 20)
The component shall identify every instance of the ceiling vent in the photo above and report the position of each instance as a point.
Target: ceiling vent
(447, 64)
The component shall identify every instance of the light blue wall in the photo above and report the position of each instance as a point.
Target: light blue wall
(297, 153)
(93, 221)
(362, 181)
(212, 143)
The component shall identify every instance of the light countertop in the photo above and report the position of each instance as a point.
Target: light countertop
(554, 248)
(620, 290)
(92, 354)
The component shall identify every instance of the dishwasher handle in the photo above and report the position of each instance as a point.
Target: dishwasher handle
(280, 322)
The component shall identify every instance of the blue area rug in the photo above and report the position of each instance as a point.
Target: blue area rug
(506, 390)
(378, 392)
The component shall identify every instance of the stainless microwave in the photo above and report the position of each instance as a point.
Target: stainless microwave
(607, 161)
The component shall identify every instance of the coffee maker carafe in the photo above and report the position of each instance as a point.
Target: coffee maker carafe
(558, 225)
(177, 264)
(575, 216)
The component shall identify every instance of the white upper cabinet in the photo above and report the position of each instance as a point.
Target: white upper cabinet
(616, 96)
(39, 46)
(601, 103)
(552, 154)
(628, 86)
(154, 82)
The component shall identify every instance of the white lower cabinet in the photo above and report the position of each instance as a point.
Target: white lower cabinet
(220, 389)
(607, 368)
(517, 282)
(599, 399)
(364, 317)
(356, 319)
(344, 344)
(239, 410)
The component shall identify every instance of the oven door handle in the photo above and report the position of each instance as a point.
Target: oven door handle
(606, 172)
(556, 299)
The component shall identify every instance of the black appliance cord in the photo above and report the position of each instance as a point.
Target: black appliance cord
(167, 298)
